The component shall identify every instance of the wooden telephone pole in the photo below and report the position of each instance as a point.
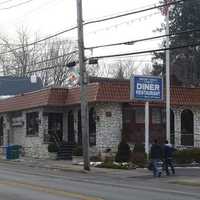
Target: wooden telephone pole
(83, 88)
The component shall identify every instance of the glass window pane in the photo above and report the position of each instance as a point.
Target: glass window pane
(139, 115)
(156, 116)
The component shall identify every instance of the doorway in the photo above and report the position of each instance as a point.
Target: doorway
(55, 126)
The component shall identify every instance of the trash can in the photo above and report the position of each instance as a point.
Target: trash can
(12, 151)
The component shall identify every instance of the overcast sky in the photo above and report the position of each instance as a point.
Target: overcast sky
(47, 17)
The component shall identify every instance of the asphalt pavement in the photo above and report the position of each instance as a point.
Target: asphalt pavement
(46, 179)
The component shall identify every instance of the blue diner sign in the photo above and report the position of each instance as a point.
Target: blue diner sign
(146, 88)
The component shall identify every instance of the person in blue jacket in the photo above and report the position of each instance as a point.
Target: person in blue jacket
(168, 157)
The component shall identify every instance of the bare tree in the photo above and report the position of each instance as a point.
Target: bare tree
(22, 58)
(104, 70)
(147, 70)
(124, 69)
(55, 56)
(17, 56)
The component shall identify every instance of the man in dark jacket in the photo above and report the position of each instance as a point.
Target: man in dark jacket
(168, 157)
(156, 156)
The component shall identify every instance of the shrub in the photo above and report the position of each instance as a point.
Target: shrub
(52, 148)
(138, 155)
(123, 153)
(78, 151)
(139, 148)
(186, 156)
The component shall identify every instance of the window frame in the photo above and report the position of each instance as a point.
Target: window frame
(32, 124)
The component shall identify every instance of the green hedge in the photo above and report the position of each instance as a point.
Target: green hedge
(187, 156)
(138, 155)
(52, 148)
(123, 153)
(78, 150)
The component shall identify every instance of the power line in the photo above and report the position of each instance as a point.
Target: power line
(109, 56)
(36, 9)
(7, 1)
(123, 23)
(133, 12)
(122, 12)
(144, 52)
(143, 39)
(16, 5)
(38, 41)
(47, 60)
(90, 22)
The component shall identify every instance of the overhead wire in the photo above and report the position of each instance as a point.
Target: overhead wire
(109, 56)
(143, 39)
(16, 5)
(47, 60)
(36, 9)
(120, 55)
(122, 12)
(4, 2)
(41, 40)
(94, 21)
(133, 12)
(124, 23)
(146, 51)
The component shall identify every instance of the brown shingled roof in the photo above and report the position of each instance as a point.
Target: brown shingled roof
(114, 91)
(185, 96)
(50, 96)
(73, 96)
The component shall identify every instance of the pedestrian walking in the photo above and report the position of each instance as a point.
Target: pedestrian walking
(168, 158)
(156, 156)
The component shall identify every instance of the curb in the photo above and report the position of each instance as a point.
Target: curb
(50, 167)
(17, 162)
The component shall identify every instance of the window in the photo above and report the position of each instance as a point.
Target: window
(92, 127)
(139, 115)
(156, 116)
(32, 125)
(163, 113)
(127, 116)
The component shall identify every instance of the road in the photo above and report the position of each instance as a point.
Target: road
(27, 183)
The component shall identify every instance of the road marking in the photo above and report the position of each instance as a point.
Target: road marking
(49, 190)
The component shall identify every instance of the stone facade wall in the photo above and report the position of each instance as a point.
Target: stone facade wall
(16, 133)
(177, 127)
(196, 124)
(108, 126)
(108, 129)
(196, 127)
(34, 145)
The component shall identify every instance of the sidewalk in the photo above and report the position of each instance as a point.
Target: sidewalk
(73, 166)
(70, 166)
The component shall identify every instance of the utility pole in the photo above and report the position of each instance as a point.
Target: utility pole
(83, 88)
(167, 80)
(166, 13)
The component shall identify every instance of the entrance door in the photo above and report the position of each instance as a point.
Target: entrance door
(79, 128)
(71, 136)
(1, 131)
(55, 126)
